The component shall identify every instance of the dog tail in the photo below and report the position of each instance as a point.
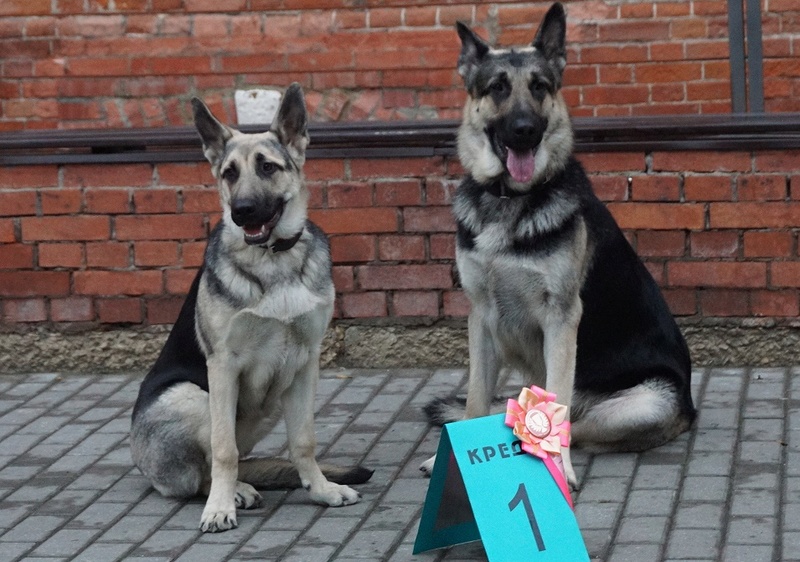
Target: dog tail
(280, 474)
(452, 409)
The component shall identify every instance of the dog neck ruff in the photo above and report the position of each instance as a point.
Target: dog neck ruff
(283, 244)
(500, 190)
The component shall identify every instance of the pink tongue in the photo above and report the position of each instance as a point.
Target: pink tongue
(520, 165)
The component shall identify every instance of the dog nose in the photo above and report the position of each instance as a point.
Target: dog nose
(242, 210)
(523, 129)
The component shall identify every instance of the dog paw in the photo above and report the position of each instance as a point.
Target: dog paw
(246, 496)
(427, 467)
(218, 521)
(334, 495)
(572, 479)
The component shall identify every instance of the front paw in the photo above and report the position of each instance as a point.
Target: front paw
(247, 497)
(427, 467)
(334, 495)
(217, 521)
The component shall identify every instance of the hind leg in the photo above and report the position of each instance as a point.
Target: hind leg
(167, 444)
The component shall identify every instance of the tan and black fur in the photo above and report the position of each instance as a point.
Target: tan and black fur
(556, 291)
(247, 340)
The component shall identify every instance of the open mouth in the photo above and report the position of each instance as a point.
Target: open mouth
(256, 234)
(520, 162)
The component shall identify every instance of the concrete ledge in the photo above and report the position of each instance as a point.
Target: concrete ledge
(721, 343)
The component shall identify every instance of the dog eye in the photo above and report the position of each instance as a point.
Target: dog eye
(539, 88)
(498, 86)
(268, 167)
(231, 174)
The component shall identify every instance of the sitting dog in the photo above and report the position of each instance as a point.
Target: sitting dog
(247, 340)
(556, 291)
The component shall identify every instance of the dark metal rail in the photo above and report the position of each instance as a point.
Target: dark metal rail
(397, 139)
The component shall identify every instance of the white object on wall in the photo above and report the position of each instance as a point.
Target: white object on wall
(256, 107)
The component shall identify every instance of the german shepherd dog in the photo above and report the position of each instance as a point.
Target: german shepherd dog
(247, 340)
(556, 291)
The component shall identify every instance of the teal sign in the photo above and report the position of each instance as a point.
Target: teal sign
(485, 487)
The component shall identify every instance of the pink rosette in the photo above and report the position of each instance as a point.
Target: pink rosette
(543, 429)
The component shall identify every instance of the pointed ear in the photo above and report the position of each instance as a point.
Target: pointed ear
(291, 121)
(551, 38)
(473, 49)
(213, 133)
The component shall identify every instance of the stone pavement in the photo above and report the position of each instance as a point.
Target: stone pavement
(728, 490)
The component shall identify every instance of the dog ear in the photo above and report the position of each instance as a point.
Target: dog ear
(473, 49)
(291, 121)
(551, 38)
(213, 133)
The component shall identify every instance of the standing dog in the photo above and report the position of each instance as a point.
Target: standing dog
(248, 337)
(557, 293)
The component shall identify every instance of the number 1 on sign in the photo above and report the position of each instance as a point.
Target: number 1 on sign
(522, 496)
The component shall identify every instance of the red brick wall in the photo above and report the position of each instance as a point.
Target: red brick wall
(97, 63)
(101, 244)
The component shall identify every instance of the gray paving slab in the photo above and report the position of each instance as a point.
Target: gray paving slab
(727, 490)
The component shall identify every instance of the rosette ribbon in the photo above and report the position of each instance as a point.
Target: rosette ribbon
(543, 430)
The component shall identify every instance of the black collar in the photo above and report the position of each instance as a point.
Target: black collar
(500, 190)
(283, 244)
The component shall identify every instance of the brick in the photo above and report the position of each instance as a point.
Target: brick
(658, 216)
(767, 244)
(442, 246)
(119, 310)
(396, 167)
(349, 195)
(612, 161)
(681, 302)
(107, 254)
(610, 188)
(398, 193)
(343, 278)
(192, 254)
(415, 303)
(775, 303)
(440, 192)
(785, 274)
(762, 188)
(656, 243)
(717, 274)
(155, 253)
(754, 215)
(184, 175)
(65, 228)
(455, 304)
(24, 310)
(160, 227)
(724, 303)
(17, 203)
(655, 188)
(16, 256)
(71, 309)
(113, 283)
(61, 255)
(778, 161)
(611, 94)
(107, 201)
(401, 248)
(355, 221)
(155, 201)
(29, 176)
(404, 276)
(33, 283)
(364, 305)
(708, 188)
(201, 201)
(61, 202)
(701, 161)
(428, 219)
(102, 175)
(178, 281)
(163, 310)
(352, 249)
(714, 244)
(7, 233)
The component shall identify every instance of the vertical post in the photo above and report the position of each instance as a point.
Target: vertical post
(755, 57)
(736, 50)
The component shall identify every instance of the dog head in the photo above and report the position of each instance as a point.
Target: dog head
(260, 176)
(516, 124)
